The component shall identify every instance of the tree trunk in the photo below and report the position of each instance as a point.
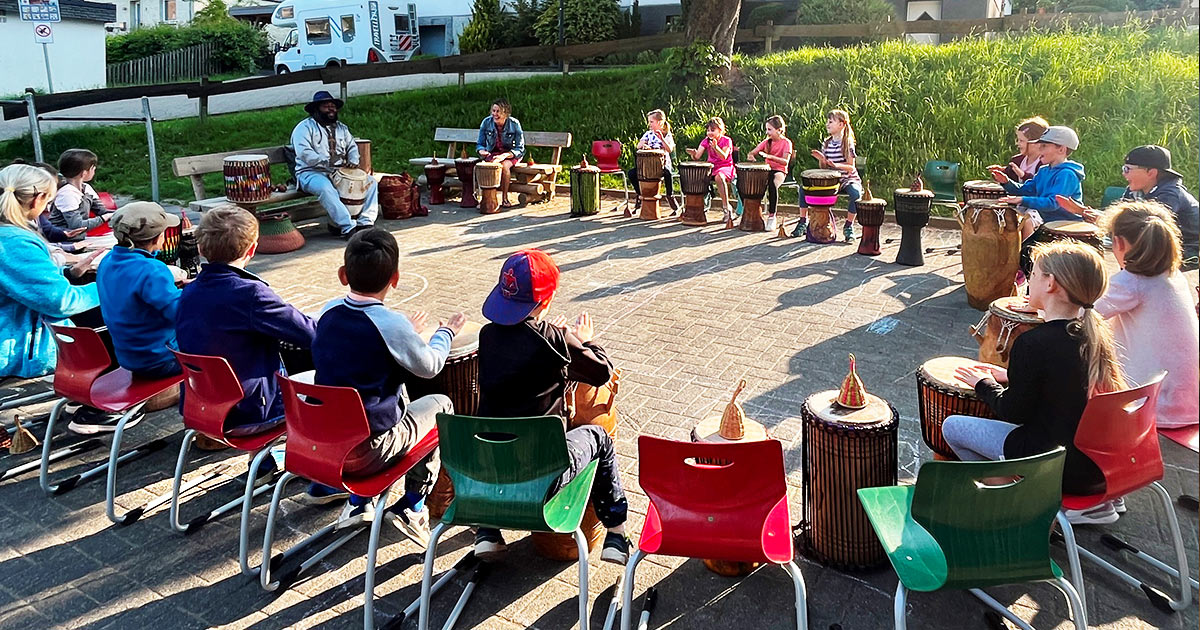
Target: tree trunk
(713, 21)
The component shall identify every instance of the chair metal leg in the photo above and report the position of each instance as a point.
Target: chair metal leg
(427, 577)
(32, 399)
(801, 595)
(624, 188)
(581, 544)
(180, 463)
(1074, 601)
(627, 595)
(264, 568)
(44, 469)
(372, 553)
(114, 452)
(899, 606)
(618, 594)
(1073, 564)
(246, 503)
(1000, 608)
(270, 561)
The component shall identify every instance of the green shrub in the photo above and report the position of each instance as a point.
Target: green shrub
(482, 33)
(629, 24)
(775, 12)
(516, 28)
(845, 12)
(695, 66)
(584, 21)
(237, 45)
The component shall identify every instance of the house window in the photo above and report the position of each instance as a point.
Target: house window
(347, 28)
(317, 31)
(168, 10)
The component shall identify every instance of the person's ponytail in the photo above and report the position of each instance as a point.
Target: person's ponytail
(20, 184)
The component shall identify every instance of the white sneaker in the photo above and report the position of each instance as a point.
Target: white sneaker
(1119, 505)
(354, 515)
(1102, 514)
(770, 223)
(414, 524)
(727, 215)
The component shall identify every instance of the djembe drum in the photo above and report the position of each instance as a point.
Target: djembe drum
(870, 217)
(585, 405)
(981, 189)
(189, 252)
(247, 178)
(752, 181)
(912, 214)
(585, 190)
(464, 167)
(844, 450)
(1080, 231)
(991, 250)
(487, 178)
(820, 187)
(169, 253)
(459, 381)
(435, 177)
(650, 163)
(1006, 319)
(694, 178)
(364, 154)
(395, 196)
(940, 394)
(352, 185)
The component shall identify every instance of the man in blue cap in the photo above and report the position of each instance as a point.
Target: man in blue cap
(323, 145)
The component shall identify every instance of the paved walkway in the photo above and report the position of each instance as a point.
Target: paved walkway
(686, 313)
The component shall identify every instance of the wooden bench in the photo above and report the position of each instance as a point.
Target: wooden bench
(536, 179)
(298, 203)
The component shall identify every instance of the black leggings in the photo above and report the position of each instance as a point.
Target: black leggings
(773, 193)
(668, 179)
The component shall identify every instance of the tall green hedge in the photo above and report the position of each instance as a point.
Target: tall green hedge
(237, 45)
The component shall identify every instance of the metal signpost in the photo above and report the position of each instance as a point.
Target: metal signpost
(42, 13)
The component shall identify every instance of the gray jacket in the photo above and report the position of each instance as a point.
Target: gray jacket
(311, 143)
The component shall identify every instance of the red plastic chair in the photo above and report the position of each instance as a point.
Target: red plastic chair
(84, 376)
(324, 424)
(211, 390)
(607, 154)
(1118, 432)
(735, 511)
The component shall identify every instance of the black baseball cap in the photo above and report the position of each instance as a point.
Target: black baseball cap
(1151, 156)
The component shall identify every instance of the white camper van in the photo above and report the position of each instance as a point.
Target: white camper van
(329, 32)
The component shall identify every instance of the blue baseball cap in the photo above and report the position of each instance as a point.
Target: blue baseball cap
(527, 279)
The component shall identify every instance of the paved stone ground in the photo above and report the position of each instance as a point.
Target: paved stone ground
(686, 313)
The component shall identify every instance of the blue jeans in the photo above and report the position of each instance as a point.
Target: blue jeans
(853, 192)
(319, 184)
(976, 439)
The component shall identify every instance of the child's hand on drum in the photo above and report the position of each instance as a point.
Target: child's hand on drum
(820, 156)
(999, 374)
(695, 153)
(998, 174)
(456, 322)
(418, 320)
(583, 328)
(1011, 199)
(972, 374)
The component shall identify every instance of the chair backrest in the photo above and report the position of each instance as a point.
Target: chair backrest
(942, 178)
(211, 389)
(82, 358)
(324, 424)
(1111, 194)
(1118, 432)
(607, 154)
(991, 534)
(502, 468)
(734, 508)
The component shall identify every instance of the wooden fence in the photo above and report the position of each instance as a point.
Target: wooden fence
(192, 62)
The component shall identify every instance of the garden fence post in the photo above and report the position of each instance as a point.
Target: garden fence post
(35, 132)
(204, 99)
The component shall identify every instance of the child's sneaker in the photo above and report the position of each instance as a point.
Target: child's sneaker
(770, 223)
(616, 549)
(270, 465)
(413, 523)
(848, 232)
(320, 494)
(90, 421)
(801, 228)
(489, 544)
(1119, 505)
(353, 515)
(1102, 514)
(727, 215)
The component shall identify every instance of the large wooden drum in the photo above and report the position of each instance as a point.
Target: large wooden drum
(650, 164)
(991, 250)
(1006, 319)
(981, 189)
(870, 217)
(247, 178)
(820, 225)
(820, 186)
(1080, 231)
(912, 214)
(940, 394)
(844, 450)
(752, 181)
(352, 185)
(694, 178)
(487, 177)
(464, 168)
(435, 176)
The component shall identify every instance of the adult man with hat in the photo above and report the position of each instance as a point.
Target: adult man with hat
(1148, 170)
(323, 145)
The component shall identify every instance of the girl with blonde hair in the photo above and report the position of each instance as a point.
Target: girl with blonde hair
(838, 152)
(658, 136)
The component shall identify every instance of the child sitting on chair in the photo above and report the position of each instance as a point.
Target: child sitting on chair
(719, 149)
(525, 363)
(76, 199)
(363, 344)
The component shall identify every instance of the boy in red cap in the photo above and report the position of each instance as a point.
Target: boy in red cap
(525, 363)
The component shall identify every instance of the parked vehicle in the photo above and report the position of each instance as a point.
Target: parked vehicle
(335, 32)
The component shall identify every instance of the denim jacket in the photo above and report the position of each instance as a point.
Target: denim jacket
(513, 140)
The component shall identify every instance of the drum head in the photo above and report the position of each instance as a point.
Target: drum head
(983, 185)
(908, 192)
(1074, 229)
(651, 153)
(752, 166)
(877, 413)
(709, 430)
(465, 342)
(1003, 307)
(940, 371)
(247, 157)
(820, 173)
(355, 174)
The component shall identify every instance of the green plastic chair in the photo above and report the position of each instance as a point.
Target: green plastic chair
(1111, 194)
(950, 531)
(502, 470)
(942, 178)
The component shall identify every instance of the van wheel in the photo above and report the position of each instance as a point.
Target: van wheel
(333, 63)
(282, 70)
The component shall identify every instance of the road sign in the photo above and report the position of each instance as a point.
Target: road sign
(43, 34)
(39, 11)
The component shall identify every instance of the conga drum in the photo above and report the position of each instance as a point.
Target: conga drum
(870, 217)
(464, 167)
(650, 163)
(941, 394)
(1080, 231)
(585, 190)
(394, 196)
(752, 181)
(364, 154)
(435, 178)
(981, 189)
(585, 405)
(991, 250)
(458, 380)
(709, 430)
(820, 187)
(247, 178)
(1006, 319)
(694, 178)
(352, 185)
(844, 450)
(487, 178)
(912, 214)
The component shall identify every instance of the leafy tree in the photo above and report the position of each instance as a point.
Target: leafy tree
(630, 22)
(844, 11)
(584, 21)
(216, 12)
(517, 28)
(483, 31)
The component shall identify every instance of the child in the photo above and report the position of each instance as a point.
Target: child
(363, 344)
(1150, 176)
(838, 152)
(719, 148)
(1058, 176)
(525, 363)
(1052, 371)
(1025, 164)
(658, 136)
(776, 150)
(1149, 305)
(229, 312)
(76, 200)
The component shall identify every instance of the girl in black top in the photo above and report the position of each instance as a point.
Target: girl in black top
(1053, 370)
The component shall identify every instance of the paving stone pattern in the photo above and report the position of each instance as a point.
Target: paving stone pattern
(685, 313)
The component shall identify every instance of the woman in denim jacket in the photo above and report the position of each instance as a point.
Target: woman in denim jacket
(502, 140)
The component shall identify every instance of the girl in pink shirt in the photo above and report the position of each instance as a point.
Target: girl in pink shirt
(776, 150)
(719, 148)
